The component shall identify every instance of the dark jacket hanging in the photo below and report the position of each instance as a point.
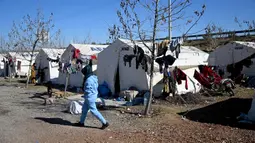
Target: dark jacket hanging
(128, 58)
(167, 60)
(146, 61)
(138, 51)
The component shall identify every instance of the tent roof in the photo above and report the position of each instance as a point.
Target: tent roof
(53, 53)
(22, 55)
(191, 49)
(140, 44)
(248, 44)
(231, 52)
(184, 49)
(89, 49)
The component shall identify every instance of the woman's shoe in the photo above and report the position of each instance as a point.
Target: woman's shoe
(105, 126)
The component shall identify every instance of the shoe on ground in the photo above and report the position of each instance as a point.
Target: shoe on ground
(105, 126)
(79, 124)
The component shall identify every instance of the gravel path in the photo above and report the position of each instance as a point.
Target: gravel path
(26, 120)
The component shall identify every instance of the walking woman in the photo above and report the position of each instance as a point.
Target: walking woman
(90, 96)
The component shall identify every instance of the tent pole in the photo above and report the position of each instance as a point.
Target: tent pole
(169, 20)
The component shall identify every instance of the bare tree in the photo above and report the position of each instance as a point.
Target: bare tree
(213, 41)
(86, 40)
(246, 24)
(32, 34)
(149, 23)
(2, 44)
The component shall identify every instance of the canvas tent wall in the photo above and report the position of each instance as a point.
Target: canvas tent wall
(2, 64)
(51, 69)
(190, 57)
(232, 53)
(110, 62)
(21, 64)
(76, 80)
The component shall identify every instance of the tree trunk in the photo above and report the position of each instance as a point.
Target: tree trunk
(9, 72)
(66, 84)
(30, 61)
(148, 106)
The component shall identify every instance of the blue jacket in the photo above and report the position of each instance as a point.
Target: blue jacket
(91, 88)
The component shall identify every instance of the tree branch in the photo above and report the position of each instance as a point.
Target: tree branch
(139, 30)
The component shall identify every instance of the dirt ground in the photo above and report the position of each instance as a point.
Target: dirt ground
(27, 120)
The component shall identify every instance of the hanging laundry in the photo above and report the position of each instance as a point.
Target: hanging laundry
(66, 65)
(94, 57)
(60, 66)
(176, 46)
(169, 83)
(54, 60)
(173, 44)
(138, 51)
(146, 61)
(208, 73)
(221, 73)
(162, 47)
(128, 58)
(201, 79)
(179, 75)
(177, 51)
(79, 61)
(71, 70)
(167, 61)
(76, 53)
(73, 62)
(79, 66)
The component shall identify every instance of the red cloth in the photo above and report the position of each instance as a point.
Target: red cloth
(93, 57)
(207, 71)
(201, 79)
(76, 54)
(179, 76)
(10, 60)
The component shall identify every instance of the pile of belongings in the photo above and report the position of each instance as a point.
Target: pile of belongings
(133, 96)
(249, 82)
(75, 106)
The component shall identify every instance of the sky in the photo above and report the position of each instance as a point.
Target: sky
(79, 18)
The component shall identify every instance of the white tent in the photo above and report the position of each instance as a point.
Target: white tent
(2, 64)
(51, 68)
(21, 62)
(85, 50)
(111, 64)
(231, 53)
(190, 57)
